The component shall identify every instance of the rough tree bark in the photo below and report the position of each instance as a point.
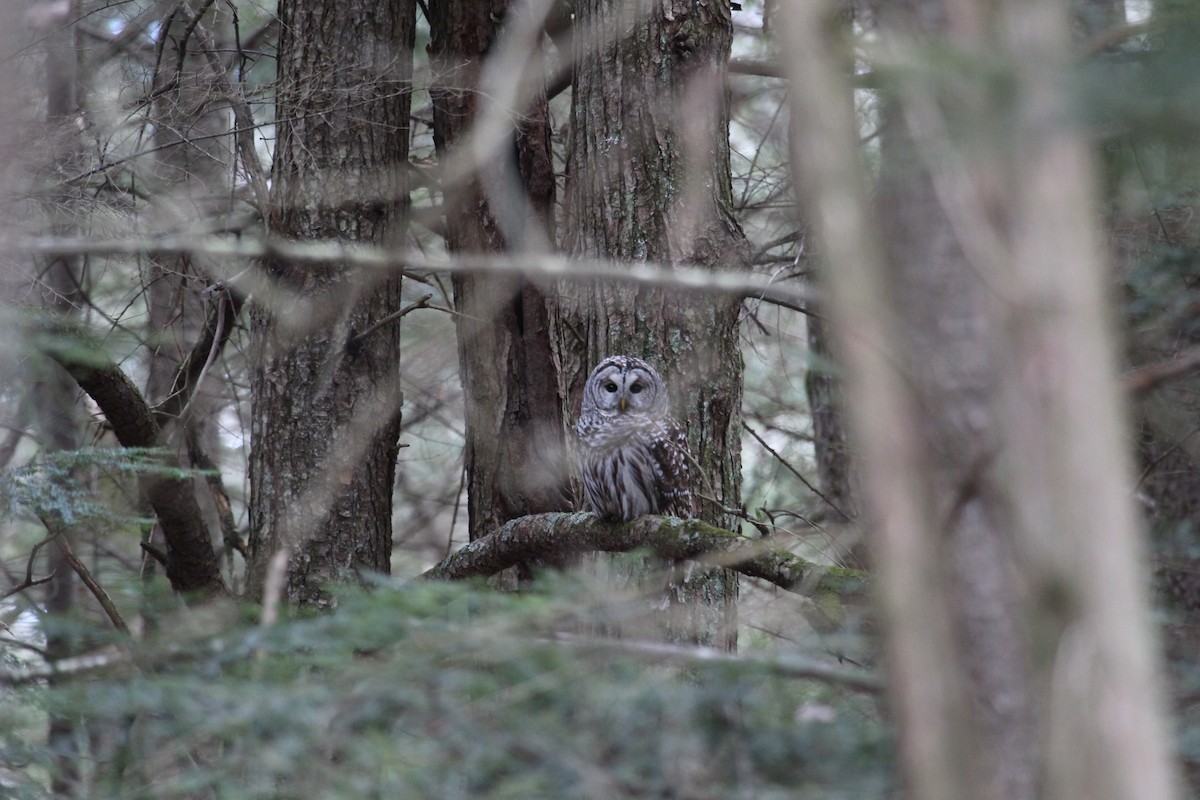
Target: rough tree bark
(514, 450)
(648, 179)
(831, 448)
(326, 400)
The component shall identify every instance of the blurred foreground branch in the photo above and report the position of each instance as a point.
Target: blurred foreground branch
(547, 266)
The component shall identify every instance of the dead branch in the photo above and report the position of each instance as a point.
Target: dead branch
(786, 664)
(1151, 376)
(58, 533)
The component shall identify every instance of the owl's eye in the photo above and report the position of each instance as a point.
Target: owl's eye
(610, 387)
(636, 388)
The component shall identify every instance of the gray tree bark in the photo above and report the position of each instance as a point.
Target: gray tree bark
(54, 395)
(989, 422)
(649, 180)
(326, 400)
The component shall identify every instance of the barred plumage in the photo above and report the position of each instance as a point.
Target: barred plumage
(633, 456)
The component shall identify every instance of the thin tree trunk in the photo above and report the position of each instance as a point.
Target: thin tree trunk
(326, 401)
(949, 358)
(54, 393)
(514, 449)
(831, 448)
(192, 182)
(1076, 524)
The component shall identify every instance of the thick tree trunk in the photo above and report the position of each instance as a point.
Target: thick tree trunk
(980, 379)
(514, 448)
(326, 401)
(649, 181)
(949, 357)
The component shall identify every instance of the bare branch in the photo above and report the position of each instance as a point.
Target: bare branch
(59, 534)
(812, 488)
(222, 317)
(545, 266)
(1151, 376)
(422, 302)
(29, 580)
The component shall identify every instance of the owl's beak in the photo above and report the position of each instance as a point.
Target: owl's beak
(622, 403)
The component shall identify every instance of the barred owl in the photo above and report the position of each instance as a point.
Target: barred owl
(632, 455)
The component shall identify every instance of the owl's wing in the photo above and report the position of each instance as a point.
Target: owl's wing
(670, 451)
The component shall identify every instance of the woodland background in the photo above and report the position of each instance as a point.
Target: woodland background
(299, 301)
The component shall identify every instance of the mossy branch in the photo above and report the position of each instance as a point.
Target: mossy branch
(541, 536)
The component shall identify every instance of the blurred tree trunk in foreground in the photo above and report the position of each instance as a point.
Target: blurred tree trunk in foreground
(648, 180)
(325, 391)
(980, 377)
(514, 448)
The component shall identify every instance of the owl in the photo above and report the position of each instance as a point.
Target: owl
(633, 456)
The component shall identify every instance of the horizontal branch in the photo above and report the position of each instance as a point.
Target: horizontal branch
(540, 536)
(545, 266)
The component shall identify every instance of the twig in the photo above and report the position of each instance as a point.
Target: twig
(30, 581)
(794, 471)
(1151, 376)
(356, 339)
(58, 533)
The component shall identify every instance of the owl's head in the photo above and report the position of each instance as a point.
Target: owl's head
(625, 385)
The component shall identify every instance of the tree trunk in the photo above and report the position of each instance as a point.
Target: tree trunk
(55, 395)
(326, 398)
(1076, 524)
(514, 449)
(831, 449)
(948, 355)
(191, 182)
(649, 180)
(980, 379)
